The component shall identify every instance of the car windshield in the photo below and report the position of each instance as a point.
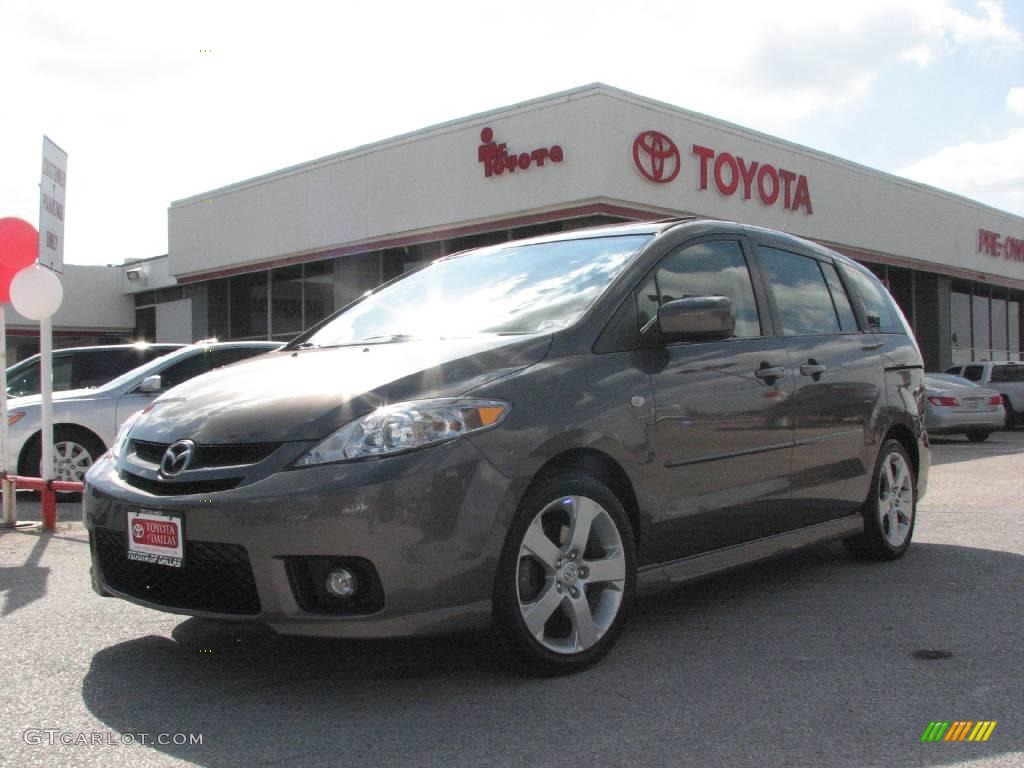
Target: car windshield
(531, 288)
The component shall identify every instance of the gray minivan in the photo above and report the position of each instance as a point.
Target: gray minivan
(525, 435)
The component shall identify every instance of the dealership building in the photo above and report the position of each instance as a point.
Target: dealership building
(269, 256)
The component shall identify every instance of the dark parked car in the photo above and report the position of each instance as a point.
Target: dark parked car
(83, 367)
(524, 434)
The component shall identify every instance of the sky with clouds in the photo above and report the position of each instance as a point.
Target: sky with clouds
(157, 102)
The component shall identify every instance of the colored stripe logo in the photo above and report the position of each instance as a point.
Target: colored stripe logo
(959, 730)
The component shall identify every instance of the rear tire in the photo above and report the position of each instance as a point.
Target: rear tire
(567, 576)
(1011, 415)
(890, 509)
(978, 437)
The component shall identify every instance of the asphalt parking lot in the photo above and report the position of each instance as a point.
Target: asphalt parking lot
(808, 660)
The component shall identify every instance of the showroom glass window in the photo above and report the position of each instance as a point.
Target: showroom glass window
(712, 268)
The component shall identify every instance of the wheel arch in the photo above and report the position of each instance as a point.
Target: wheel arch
(902, 434)
(602, 467)
(32, 443)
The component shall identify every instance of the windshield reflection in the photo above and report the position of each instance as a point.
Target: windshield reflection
(521, 289)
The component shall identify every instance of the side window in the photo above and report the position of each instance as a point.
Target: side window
(1007, 373)
(974, 372)
(876, 300)
(183, 370)
(61, 372)
(25, 382)
(841, 302)
(801, 293)
(96, 367)
(954, 370)
(714, 268)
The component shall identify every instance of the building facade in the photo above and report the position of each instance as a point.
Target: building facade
(269, 256)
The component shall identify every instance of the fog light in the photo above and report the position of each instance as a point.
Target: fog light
(341, 582)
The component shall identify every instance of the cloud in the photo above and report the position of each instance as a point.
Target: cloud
(986, 171)
(1015, 101)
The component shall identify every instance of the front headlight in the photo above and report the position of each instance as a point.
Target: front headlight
(405, 426)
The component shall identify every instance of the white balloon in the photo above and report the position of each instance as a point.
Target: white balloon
(36, 292)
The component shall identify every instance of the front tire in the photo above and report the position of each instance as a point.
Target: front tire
(890, 509)
(567, 576)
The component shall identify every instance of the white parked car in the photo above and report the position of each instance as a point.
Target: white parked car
(86, 420)
(1007, 378)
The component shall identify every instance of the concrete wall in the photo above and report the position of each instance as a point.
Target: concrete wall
(92, 300)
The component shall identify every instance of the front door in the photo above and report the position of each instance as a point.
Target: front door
(721, 429)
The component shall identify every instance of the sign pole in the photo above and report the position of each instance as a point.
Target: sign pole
(46, 421)
(9, 517)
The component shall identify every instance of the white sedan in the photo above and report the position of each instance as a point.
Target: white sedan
(954, 405)
(86, 420)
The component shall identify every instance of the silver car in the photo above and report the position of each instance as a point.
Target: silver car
(954, 405)
(86, 420)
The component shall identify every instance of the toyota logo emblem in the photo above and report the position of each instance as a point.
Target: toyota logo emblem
(656, 156)
(177, 458)
(138, 531)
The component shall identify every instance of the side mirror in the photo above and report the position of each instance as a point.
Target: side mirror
(705, 317)
(151, 385)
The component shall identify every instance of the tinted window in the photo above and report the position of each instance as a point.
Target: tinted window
(1007, 373)
(801, 293)
(184, 370)
(876, 301)
(715, 268)
(24, 382)
(96, 367)
(974, 372)
(841, 302)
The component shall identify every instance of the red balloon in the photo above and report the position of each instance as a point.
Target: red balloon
(19, 243)
(6, 275)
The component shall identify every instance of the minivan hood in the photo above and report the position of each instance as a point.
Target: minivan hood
(306, 394)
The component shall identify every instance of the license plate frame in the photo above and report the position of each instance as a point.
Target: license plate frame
(156, 537)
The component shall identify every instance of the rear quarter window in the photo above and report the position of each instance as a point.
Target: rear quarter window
(879, 307)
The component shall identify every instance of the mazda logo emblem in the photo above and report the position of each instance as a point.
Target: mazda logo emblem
(656, 156)
(177, 458)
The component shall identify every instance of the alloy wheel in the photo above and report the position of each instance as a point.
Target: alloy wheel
(570, 574)
(71, 461)
(895, 499)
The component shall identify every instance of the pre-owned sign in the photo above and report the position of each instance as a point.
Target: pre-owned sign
(994, 244)
(51, 206)
(657, 158)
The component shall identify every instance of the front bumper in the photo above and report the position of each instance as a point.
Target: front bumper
(431, 523)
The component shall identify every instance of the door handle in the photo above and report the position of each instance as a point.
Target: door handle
(813, 369)
(769, 373)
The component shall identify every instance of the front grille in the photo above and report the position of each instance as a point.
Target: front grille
(215, 577)
(169, 488)
(229, 455)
